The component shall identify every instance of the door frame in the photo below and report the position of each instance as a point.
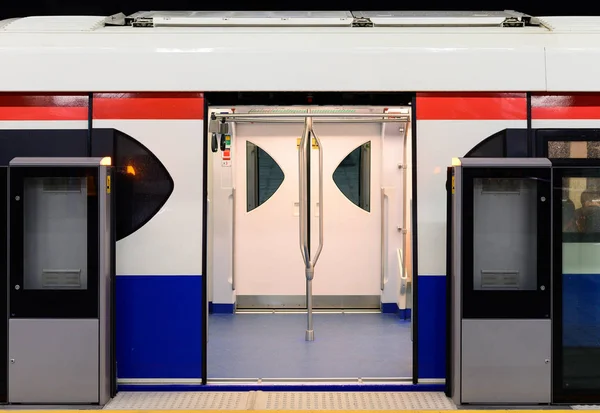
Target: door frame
(226, 99)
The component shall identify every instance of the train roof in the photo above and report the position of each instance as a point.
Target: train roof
(301, 51)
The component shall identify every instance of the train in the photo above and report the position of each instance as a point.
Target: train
(199, 232)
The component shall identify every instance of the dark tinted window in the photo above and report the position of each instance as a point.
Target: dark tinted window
(143, 184)
(353, 176)
(263, 176)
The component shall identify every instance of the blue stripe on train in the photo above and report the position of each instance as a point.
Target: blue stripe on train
(159, 325)
(581, 310)
(432, 326)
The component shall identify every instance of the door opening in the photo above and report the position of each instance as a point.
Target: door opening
(277, 190)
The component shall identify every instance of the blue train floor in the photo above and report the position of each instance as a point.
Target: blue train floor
(272, 346)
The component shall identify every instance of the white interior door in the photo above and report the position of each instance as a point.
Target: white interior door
(350, 262)
(268, 265)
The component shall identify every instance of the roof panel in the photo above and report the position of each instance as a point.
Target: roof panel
(246, 18)
(438, 18)
(59, 23)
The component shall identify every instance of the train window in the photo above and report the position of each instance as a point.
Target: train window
(353, 176)
(143, 183)
(263, 176)
(505, 219)
(580, 208)
(55, 233)
(574, 149)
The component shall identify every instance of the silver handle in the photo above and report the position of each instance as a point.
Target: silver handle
(383, 240)
(305, 145)
(302, 204)
(320, 248)
(233, 240)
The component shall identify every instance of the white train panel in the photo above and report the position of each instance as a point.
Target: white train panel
(237, 59)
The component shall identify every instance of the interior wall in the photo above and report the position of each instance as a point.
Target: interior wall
(405, 298)
(394, 296)
(221, 221)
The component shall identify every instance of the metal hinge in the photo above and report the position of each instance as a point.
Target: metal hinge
(362, 22)
(513, 22)
(143, 22)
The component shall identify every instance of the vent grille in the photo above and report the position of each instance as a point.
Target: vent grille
(505, 280)
(61, 279)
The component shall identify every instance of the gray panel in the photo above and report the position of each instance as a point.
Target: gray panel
(53, 361)
(104, 275)
(505, 234)
(505, 162)
(506, 361)
(299, 301)
(85, 162)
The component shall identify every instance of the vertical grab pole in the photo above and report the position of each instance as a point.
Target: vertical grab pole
(310, 271)
(304, 188)
(304, 175)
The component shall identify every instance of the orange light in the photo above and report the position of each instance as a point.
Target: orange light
(106, 161)
(130, 170)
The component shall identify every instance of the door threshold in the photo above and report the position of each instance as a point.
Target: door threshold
(309, 381)
(303, 311)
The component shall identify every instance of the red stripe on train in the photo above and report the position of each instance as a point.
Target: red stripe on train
(43, 107)
(471, 106)
(565, 106)
(148, 106)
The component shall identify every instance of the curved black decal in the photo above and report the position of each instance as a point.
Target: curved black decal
(142, 184)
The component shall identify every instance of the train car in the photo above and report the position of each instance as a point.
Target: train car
(204, 114)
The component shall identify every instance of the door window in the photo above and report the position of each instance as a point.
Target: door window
(263, 176)
(353, 176)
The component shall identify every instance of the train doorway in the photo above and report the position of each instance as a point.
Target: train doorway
(283, 199)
